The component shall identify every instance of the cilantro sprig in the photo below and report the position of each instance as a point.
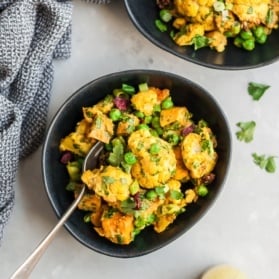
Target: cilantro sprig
(265, 162)
(246, 132)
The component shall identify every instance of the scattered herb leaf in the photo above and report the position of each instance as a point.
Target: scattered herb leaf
(246, 132)
(256, 90)
(265, 162)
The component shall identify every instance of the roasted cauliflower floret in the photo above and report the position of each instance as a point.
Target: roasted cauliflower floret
(194, 8)
(179, 115)
(77, 142)
(103, 106)
(145, 101)
(111, 183)
(101, 128)
(93, 203)
(217, 40)
(173, 205)
(181, 172)
(116, 227)
(127, 125)
(191, 31)
(151, 169)
(250, 11)
(198, 153)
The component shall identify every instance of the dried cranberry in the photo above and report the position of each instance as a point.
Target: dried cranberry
(187, 130)
(163, 3)
(208, 178)
(66, 157)
(137, 200)
(121, 103)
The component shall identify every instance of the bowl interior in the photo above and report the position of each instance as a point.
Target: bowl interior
(184, 92)
(144, 13)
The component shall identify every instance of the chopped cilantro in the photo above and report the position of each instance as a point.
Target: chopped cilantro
(246, 132)
(207, 145)
(128, 205)
(200, 41)
(116, 156)
(98, 122)
(256, 90)
(108, 180)
(270, 16)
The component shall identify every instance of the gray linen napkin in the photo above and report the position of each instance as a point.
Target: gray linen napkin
(32, 33)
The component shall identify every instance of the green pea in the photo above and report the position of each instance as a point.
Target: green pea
(142, 126)
(249, 44)
(159, 131)
(202, 190)
(238, 41)
(258, 31)
(115, 114)
(167, 103)
(165, 15)
(139, 114)
(154, 148)
(262, 39)
(151, 195)
(246, 35)
(130, 158)
(155, 122)
(173, 139)
(147, 119)
(236, 28)
(156, 108)
(154, 133)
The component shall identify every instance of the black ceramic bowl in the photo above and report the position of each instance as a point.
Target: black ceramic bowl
(184, 93)
(143, 14)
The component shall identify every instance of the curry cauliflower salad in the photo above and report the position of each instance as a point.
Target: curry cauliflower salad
(214, 23)
(156, 161)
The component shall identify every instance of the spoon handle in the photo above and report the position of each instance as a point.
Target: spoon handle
(24, 270)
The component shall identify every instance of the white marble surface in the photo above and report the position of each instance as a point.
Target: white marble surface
(241, 228)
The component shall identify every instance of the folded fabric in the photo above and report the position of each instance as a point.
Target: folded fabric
(32, 33)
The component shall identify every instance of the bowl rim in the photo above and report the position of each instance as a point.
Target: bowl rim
(120, 74)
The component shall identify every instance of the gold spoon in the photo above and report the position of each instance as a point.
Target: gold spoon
(24, 270)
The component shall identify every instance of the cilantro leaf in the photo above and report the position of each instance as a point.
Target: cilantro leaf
(246, 132)
(200, 41)
(116, 156)
(270, 165)
(256, 90)
(265, 162)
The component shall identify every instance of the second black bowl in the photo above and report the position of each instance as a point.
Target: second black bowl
(143, 14)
